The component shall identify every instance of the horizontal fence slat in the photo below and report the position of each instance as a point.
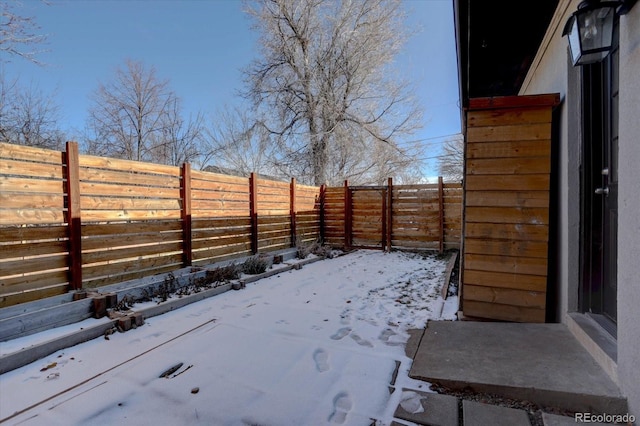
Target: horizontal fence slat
(504, 280)
(506, 247)
(127, 165)
(509, 149)
(128, 203)
(537, 131)
(29, 296)
(121, 190)
(499, 215)
(212, 243)
(117, 254)
(128, 178)
(21, 152)
(10, 184)
(199, 176)
(23, 266)
(514, 166)
(497, 311)
(118, 215)
(514, 116)
(507, 264)
(114, 241)
(507, 231)
(31, 169)
(508, 182)
(32, 201)
(32, 232)
(33, 281)
(9, 251)
(119, 268)
(32, 216)
(507, 199)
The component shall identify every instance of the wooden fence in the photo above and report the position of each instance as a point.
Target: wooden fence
(70, 221)
(424, 216)
(507, 193)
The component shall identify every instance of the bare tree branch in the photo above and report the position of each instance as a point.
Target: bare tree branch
(137, 117)
(19, 35)
(28, 116)
(451, 163)
(324, 78)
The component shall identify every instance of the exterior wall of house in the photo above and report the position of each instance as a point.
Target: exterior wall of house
(629, 210)
(548, 74)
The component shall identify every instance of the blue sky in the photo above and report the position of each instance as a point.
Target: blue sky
(200, 46)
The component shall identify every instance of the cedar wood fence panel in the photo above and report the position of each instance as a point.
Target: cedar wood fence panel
(71, 221)
(426, 216)
(507, 184)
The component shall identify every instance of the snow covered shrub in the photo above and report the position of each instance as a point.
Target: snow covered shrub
(255, 265)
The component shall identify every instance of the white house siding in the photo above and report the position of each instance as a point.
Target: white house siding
(549, 74)
(629, 210)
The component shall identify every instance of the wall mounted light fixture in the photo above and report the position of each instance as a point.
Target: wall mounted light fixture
(590, 31)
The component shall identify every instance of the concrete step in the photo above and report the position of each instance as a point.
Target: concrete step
(434, 409)
(555, 420)
(540, 363)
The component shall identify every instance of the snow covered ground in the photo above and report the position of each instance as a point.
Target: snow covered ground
(310, 347)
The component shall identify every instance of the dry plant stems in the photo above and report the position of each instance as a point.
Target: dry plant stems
(255, 265)
(213, 278)
(316, 247)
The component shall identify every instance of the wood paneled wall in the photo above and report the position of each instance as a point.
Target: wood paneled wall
(506, 208)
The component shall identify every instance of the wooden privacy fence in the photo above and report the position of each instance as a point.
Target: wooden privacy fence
(70, 221)
(507, 201)
(424, 216)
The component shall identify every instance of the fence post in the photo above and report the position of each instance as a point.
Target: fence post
(441, 213)
(389, 212)
(347, 216)
(72, 188)
(253, 207)
(185, 194)
(384, 219)
(292, 211)
(323, 192)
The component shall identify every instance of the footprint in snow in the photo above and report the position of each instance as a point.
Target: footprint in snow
(362, 342)
(340, 334)
(341, 406)
(386, 334)
(321, 358)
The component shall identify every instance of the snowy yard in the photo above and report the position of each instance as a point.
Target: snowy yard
(310, 347)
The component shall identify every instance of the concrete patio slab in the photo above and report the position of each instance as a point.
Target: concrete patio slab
(428, 408)
(478, 414)
(541, 363)
(415, 336)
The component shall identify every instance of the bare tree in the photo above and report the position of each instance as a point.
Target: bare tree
(325, 82)
(128, 115)
(28, 116)
(451, 162)
(18, 34)
(180, 140)
(238, 143)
